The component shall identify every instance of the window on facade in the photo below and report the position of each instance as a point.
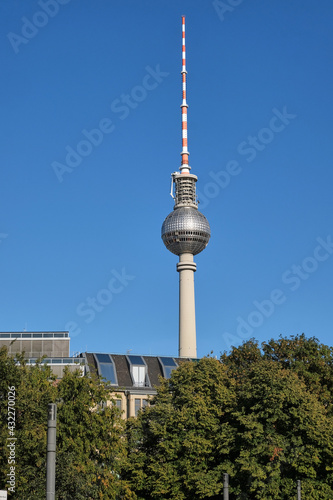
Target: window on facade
(138, 371)
(106, 367)
(167, 364)
(136, 360)
(137, 406)
(139, 375)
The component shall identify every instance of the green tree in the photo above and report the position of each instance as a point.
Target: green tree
(9, 377)
(34, 389)
(312, 361)
(241, 358)
(284, 410)
(180, 445)
(90, 436)
(283, 434)
(90, 442)
(249, 416)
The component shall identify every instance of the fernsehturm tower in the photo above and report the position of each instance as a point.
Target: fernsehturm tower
(185, 232)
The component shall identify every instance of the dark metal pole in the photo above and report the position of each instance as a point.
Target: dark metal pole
(299, 495)
(51, 451)
(225, 486)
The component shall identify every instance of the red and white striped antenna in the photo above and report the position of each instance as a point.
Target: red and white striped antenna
(184, 168)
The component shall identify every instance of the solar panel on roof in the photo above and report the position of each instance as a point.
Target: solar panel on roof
(136, 360)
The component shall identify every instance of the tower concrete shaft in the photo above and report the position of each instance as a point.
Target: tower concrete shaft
(187, 330)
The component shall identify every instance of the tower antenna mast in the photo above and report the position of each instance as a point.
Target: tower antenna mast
(184, 168)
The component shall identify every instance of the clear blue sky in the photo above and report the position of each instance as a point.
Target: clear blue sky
(90, 129)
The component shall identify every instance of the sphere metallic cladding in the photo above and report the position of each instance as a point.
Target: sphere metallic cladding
(185, 230)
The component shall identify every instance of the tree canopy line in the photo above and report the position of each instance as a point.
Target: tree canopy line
(262, 414)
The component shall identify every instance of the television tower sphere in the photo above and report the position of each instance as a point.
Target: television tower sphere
(185, 230)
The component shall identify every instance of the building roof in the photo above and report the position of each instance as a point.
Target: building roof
(132, 372)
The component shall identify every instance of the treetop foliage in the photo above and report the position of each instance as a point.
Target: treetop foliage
(261, 414)
(90, 446)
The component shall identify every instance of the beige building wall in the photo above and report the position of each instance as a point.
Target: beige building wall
(129, 404)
